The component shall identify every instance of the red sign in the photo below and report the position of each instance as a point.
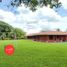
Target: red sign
(9, 49)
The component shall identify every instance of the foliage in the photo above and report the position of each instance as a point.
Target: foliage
(17, 34)
(34, 3)
(7, 31)
(4, 29)
(58, 29)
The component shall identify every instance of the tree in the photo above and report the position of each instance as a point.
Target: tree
(18, 34)
(34, 3)
(3, 36)
(8, 32)
(4, 29)
(58, 29)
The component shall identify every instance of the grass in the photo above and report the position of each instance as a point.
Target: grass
(34, 54)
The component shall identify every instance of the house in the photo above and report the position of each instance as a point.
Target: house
(49, 36)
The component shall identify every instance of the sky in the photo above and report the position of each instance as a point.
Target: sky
(32, 22)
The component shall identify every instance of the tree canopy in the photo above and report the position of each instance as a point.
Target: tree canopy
(34, 3)
(4, 27)
(7, 31)
(17, 34)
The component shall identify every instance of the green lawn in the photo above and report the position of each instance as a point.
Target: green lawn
(34, 54)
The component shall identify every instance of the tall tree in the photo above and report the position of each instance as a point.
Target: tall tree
(5, 29)
(8, 32)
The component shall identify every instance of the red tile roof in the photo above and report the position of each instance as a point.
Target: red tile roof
(49, 33)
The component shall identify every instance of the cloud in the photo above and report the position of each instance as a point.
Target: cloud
(64, 3)
(7, 16)
(34, 21)
(41, 18)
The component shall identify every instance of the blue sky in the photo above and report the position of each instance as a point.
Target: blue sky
(62, 11)
(42, 18)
